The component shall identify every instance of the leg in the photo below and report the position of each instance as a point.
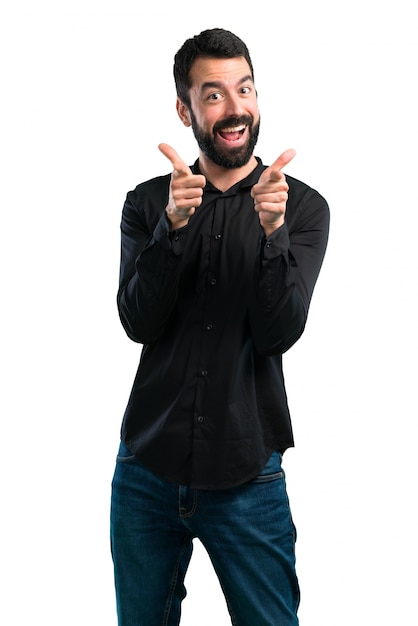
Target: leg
(250, 537)
(151, 549)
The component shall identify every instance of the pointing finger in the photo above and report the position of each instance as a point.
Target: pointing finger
(177, 162)
(284, 159)
(273, 172)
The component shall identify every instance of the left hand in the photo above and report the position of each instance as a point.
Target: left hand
(270, 194)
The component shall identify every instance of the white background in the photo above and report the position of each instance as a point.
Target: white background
(87, 95)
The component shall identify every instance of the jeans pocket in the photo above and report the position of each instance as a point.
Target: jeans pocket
(267, 478)
(272, 470)
(124, 454)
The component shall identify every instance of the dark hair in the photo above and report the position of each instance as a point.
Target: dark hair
(215, 43)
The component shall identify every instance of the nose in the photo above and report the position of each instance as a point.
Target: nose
(234, 105)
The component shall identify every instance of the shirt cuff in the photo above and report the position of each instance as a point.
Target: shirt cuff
(169, 239)
(276, 244)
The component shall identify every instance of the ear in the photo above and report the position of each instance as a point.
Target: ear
(183, 112)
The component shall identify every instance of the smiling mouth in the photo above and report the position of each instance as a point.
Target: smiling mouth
(232, 133)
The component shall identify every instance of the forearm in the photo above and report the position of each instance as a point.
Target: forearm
(148, 282)
(285, 276)
(147, 300)
(277, 310)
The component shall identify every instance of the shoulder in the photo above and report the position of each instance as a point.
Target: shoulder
(300, 190)
(149, 198)
(151, 191)
(145, 204)
(305, 203)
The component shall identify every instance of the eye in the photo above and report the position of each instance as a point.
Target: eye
(245, 90)
(214, 96)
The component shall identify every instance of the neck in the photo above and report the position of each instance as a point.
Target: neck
(224, 178)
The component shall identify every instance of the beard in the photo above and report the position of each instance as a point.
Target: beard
(228, 158)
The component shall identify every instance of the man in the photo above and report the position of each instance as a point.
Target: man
(218, 265)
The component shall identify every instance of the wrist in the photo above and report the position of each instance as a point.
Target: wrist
(177, 224)
(178, 218)
(270, 227)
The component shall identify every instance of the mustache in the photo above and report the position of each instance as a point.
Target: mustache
(233, 120)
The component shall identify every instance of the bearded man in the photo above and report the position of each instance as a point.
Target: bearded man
(218, 265)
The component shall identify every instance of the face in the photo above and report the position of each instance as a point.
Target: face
(224, 111)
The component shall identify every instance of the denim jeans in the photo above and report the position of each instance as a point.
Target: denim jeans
(247, 531)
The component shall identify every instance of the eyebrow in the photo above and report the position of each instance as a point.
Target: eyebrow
(218, 84)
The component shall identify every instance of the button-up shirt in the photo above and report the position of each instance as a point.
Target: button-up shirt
(215, 305)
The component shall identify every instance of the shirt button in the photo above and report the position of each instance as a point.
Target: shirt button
(203, 372)
(200, 419)
(268, 244)
(209, 327)
(213, 281)
(218, 236)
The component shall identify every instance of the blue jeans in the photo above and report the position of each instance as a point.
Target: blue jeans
(247, 531)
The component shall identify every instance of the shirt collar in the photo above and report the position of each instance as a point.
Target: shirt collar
(248, 181)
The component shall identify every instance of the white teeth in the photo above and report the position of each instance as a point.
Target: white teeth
(235, 129)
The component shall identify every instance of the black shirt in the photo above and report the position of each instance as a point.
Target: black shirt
(215, 305)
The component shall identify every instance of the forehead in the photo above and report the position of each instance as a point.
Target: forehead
(223, 71)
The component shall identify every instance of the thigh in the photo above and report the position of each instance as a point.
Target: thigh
(151, 548)
(250, 538)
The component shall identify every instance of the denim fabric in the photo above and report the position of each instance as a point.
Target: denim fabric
(247, 531)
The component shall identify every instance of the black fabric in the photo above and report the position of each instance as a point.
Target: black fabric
(215, 305)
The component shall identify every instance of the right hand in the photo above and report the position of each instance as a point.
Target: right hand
(186, 189)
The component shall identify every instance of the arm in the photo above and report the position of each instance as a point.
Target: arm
(286, 272)
(148, 269)
(152, 246)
